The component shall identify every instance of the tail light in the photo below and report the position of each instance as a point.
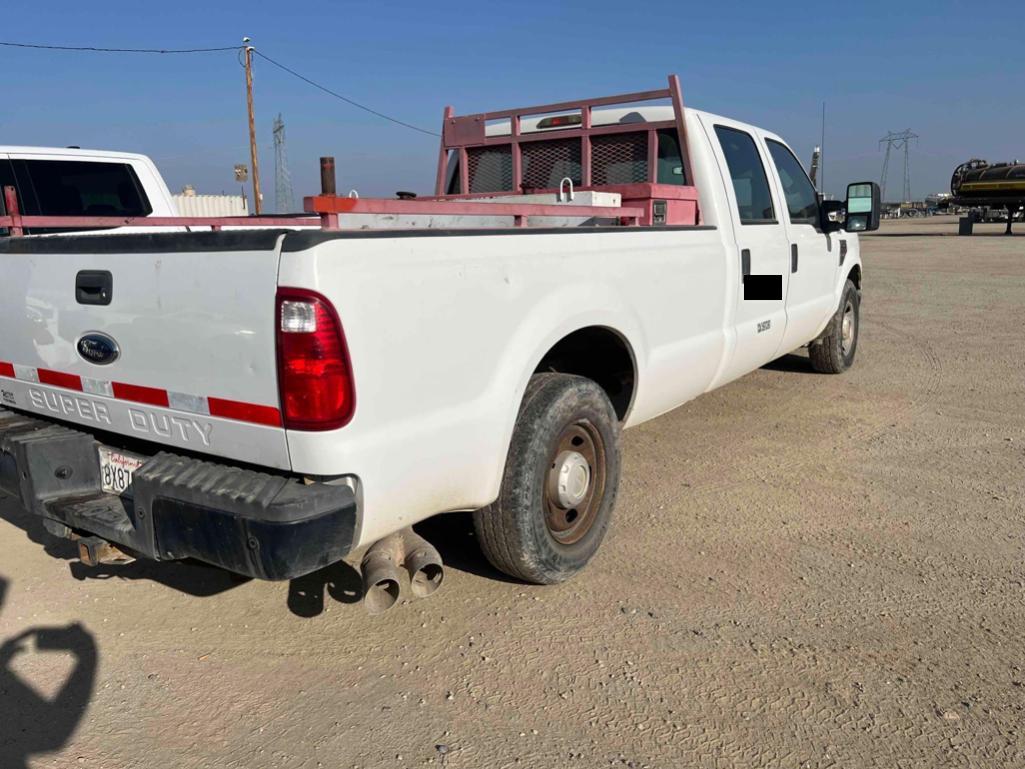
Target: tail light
(314, 373)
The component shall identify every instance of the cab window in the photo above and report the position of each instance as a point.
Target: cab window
(802, 201)
(670, 160)
(750, 184)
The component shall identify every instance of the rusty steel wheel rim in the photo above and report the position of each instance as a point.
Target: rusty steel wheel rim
(575, 482)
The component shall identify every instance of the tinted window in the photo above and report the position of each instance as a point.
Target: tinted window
(802, 202)
(749, 181)
(82, 188)
(670, 162)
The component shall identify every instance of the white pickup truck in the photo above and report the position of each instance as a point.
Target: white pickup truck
(271, 400)
(57, 181)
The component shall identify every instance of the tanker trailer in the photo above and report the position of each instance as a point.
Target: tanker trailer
(984, 185)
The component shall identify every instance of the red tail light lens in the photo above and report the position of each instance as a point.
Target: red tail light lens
(314, 373)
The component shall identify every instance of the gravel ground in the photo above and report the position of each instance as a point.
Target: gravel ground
(806, 571)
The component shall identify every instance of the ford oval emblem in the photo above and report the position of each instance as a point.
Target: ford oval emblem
(98, 348)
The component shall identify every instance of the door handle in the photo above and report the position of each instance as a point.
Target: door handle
(94, 287)
(793, 257)
(745, 261)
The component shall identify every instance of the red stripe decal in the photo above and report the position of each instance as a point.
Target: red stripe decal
(138, 394)
(60, 379)
(152, 396)
(245, 412)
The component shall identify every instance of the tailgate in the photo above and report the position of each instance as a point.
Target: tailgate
(181, 352)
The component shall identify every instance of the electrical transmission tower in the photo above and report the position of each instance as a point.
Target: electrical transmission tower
(284, 199)
(897, 141)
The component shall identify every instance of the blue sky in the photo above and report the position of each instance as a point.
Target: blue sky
(950, 71)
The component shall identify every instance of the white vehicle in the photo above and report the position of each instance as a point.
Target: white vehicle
(271, 400)
(52, 181)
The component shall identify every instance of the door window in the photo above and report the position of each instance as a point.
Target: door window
(802, 201)
(750, 184)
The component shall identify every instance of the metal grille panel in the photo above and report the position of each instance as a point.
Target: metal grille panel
(490, 169)
(546, 163)
(619, 158)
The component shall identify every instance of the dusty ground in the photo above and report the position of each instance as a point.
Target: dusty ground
(807, 571)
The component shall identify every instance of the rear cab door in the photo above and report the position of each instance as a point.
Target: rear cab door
(813, 268)
(760, 318)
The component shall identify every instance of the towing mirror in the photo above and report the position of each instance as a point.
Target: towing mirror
(862, 207)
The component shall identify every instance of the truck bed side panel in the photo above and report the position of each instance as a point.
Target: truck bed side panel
(444, 330)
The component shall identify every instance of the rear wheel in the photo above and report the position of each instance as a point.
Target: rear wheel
(833, 352)
(560, 482)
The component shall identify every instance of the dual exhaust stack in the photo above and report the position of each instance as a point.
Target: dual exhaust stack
(386, 560)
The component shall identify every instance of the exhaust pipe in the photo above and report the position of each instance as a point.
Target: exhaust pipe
(384, 562)
(423, 564)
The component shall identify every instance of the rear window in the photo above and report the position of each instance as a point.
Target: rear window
(79, 188)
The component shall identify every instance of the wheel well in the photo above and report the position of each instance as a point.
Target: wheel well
(855, 276)
(601, 355)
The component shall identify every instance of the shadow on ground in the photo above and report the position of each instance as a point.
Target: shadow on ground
(452, 534)
(32, 723)
(792, 362)
(188, 577)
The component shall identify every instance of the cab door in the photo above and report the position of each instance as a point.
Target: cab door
(814, 262)
(762, 257)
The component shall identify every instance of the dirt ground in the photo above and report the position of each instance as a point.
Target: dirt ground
(806, 571)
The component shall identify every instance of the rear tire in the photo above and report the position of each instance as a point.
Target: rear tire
(560, 482)
(833, 352)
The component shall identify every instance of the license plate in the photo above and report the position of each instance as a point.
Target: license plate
(117, 469)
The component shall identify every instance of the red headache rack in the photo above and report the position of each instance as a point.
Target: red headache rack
(527, 151)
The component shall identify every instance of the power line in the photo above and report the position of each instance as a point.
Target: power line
(268, 59)
(346, 99)
(95, 49)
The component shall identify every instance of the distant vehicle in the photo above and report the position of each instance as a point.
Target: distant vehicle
(54, 181)
(269, 400)
(993, 214)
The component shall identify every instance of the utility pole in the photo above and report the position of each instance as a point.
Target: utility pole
(257, 197)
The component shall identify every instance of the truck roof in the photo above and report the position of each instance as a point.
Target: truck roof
(6, 149)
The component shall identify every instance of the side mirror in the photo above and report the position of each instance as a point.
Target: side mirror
(828, 222)
(863, 207)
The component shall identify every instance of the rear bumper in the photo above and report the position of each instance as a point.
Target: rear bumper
(252, 523)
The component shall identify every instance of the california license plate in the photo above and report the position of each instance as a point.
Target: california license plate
(117, 469)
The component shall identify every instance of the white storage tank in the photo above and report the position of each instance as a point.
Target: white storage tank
(191, 204)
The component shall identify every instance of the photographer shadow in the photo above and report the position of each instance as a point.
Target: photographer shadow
(32, 723)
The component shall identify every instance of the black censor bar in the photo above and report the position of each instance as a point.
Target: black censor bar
(763, 286)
